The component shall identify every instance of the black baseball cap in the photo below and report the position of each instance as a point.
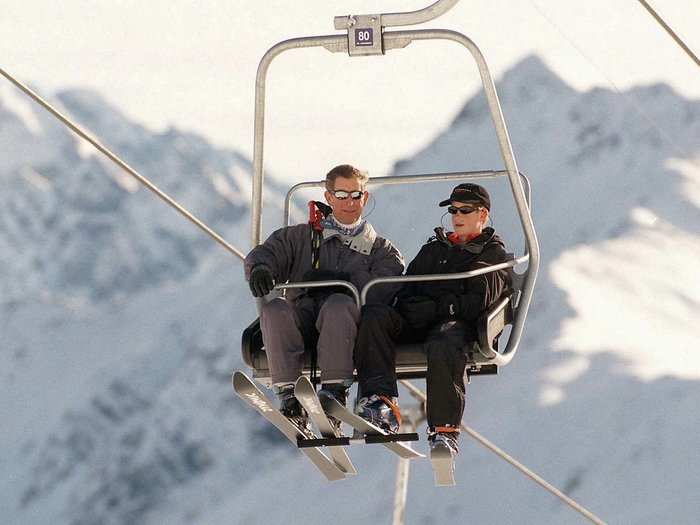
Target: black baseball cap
(469, 193)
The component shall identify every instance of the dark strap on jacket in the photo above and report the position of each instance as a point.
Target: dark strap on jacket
(317, 212)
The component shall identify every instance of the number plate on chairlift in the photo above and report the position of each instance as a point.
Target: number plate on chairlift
(364, 36)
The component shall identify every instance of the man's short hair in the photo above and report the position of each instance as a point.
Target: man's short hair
(346, 171)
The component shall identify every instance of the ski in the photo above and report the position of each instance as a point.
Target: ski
(443, 466)
(247, 390)
(335, 409)
(305, 392)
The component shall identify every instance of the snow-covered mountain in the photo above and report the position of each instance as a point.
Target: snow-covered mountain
(120, 409)
(82, 247)
(599, 399)
(74, 224)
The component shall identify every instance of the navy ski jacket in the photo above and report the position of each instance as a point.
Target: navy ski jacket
(469, 297)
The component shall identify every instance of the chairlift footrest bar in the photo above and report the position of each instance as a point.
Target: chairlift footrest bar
(343, 441)
(390, 438)
(322, 442)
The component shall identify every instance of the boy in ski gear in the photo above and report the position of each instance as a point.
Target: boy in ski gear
(441, 314)
(338, 245)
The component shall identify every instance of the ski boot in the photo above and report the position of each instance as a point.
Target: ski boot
(382, 411)
(292, 410)
(443, 449)
(339, 392)
(444, 438)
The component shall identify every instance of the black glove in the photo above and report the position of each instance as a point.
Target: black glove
(448, 307)
(261, 281)
(419, 310)
(326, 275)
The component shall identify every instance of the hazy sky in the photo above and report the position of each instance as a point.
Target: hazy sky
(192, 64)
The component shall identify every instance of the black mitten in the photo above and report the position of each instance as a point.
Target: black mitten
(261, 281)
(419, 311)
(448, 307)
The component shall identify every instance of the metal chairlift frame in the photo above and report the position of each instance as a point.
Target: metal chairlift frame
(365, 36)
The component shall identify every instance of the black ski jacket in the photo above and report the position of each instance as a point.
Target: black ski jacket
(469, 297)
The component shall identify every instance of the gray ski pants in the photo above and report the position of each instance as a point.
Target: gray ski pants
(286, 326)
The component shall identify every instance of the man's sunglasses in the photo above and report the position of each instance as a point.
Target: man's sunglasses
(464, 210)
(342, 194)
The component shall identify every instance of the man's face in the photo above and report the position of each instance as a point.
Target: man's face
(468, 225)
(346, 210)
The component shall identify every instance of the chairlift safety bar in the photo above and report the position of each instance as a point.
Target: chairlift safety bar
(321, 284)
(498, 358)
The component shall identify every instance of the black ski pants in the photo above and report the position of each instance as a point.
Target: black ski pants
(382, 328)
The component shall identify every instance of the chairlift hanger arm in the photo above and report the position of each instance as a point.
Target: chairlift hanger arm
(402, 19)
(366, 32)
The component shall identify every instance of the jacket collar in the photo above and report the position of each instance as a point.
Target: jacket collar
(476, 245)
(361, 242)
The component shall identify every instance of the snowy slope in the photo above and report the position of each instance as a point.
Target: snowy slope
(74, 224)
(92, 302)
(122, 412)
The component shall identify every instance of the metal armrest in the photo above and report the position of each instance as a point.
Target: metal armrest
(491, 324)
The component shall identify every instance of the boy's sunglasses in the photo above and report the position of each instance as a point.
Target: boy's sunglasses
(342, 194)
(465, 210)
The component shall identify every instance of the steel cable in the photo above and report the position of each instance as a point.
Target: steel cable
(420, 395)
(670, 31)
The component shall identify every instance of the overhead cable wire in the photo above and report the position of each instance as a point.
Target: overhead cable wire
(671, 32)
(123, 165)
(628, 98)
(420, 395)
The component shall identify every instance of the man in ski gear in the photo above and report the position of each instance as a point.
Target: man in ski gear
(337, 244)
(441, 314)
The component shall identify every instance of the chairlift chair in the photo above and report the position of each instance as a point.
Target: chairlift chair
(366, 36)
